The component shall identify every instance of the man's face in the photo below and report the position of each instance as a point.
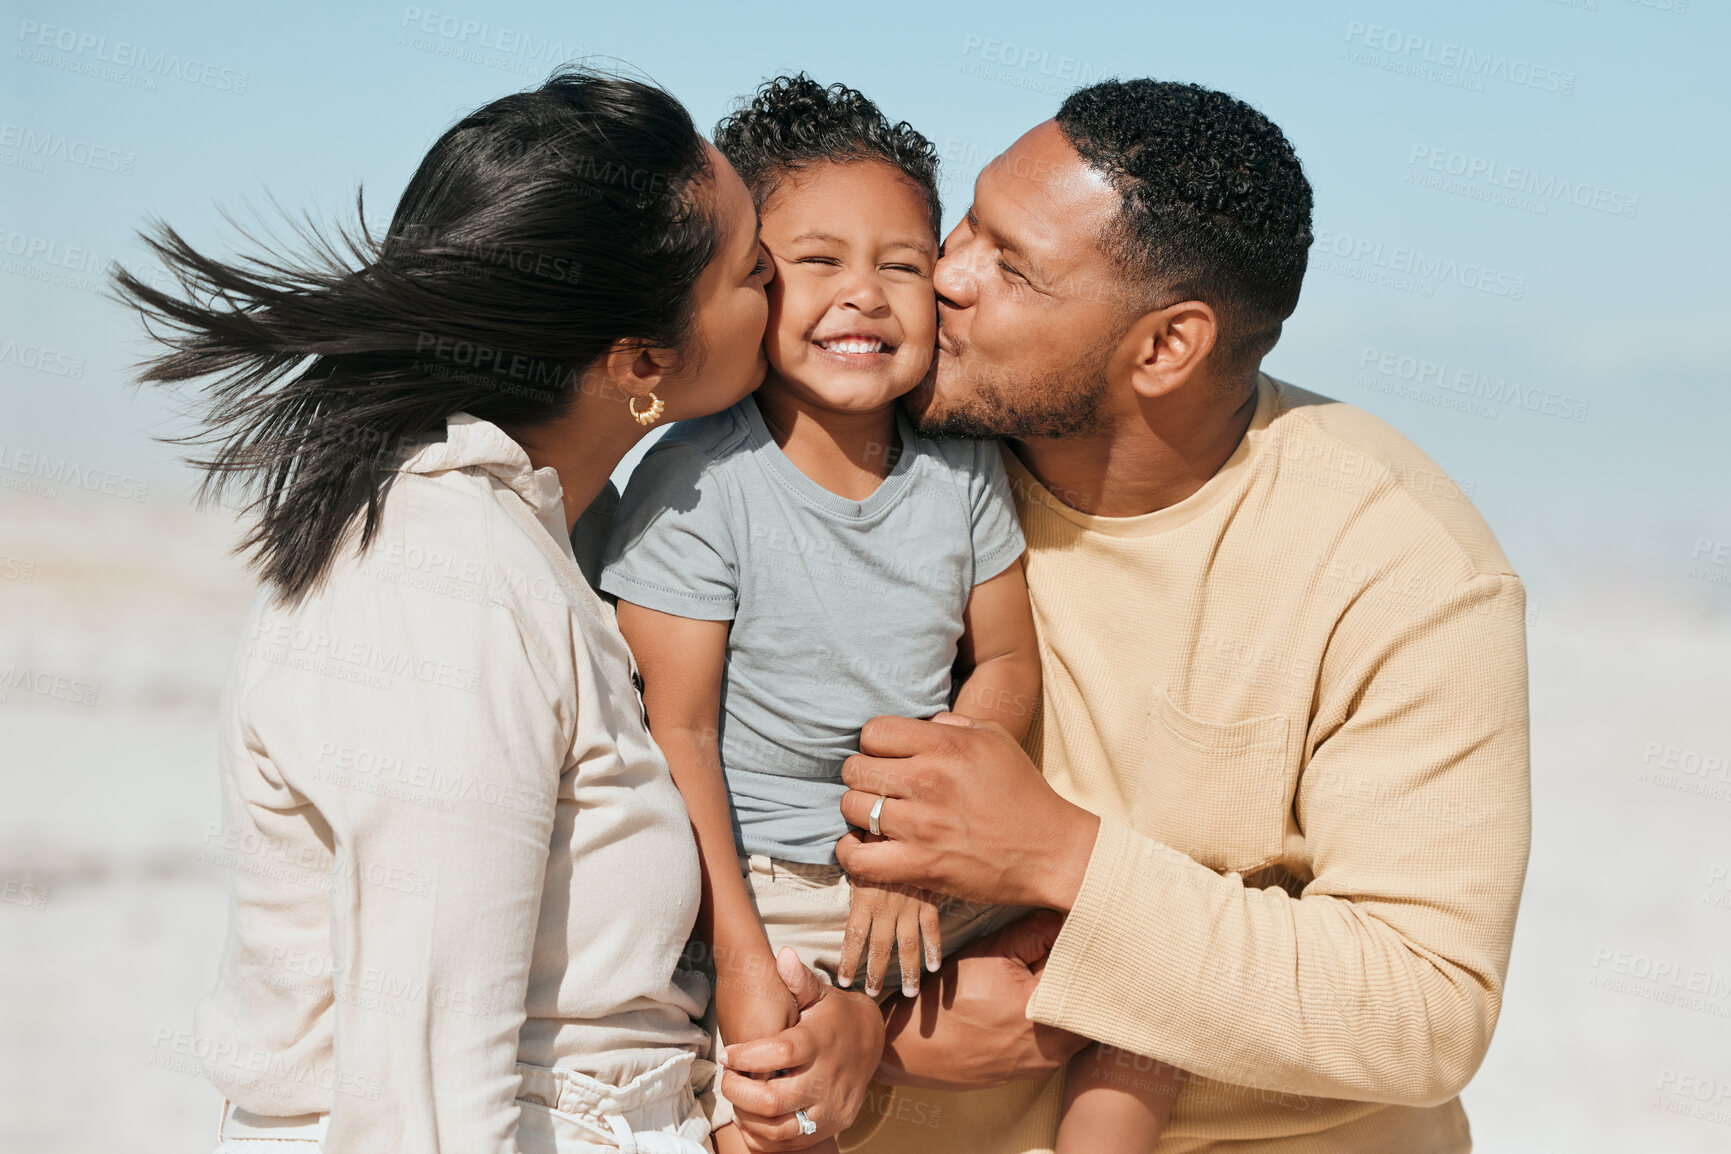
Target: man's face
(1030, 309)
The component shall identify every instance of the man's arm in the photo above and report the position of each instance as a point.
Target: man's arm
(1382, 982)
(969, 1027)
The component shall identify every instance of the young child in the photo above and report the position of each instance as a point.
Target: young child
(792, 567)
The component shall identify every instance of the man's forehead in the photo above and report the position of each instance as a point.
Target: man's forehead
(1045, 191)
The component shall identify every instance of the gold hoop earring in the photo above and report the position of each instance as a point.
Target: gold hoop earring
(650, 415)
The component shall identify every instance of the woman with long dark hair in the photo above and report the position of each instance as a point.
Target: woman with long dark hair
(463, 879)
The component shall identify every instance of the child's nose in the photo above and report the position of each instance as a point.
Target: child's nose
(865, 294)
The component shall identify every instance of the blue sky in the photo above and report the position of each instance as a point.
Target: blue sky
(1520, 205)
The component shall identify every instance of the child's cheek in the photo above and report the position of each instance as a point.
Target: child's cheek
(782, 327)
(919, 318)
(927, 350)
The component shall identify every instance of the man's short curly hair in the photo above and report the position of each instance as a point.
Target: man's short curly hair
(794, 121)
(1215, 207)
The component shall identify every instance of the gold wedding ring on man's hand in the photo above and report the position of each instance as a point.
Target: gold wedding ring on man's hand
(877, 812)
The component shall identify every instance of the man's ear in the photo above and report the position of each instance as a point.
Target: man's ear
(1167, 347)
(637, 369)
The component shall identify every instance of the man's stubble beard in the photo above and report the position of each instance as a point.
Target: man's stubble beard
(1069, 402)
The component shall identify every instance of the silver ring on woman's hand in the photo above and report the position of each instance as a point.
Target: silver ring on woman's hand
(806, 1125)
(877, 812)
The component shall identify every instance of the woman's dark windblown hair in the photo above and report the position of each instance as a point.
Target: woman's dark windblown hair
(536, 232)
(793, 121)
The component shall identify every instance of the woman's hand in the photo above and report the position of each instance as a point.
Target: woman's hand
(823, 1065)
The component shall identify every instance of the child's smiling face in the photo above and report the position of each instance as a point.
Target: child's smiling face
(852, 313)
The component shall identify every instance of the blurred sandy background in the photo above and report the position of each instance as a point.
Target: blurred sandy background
(1564, 358)
(112, 923)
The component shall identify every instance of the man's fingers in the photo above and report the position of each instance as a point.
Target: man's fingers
(877, 776)
(856, 810)
(889, 736)
(962, 721)
(873, 861)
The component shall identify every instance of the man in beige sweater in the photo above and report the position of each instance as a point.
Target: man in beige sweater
(1284, 803)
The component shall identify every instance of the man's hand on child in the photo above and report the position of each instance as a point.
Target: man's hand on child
(883, 917)
(963, 811)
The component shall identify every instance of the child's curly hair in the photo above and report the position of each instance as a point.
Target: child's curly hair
(794, 121)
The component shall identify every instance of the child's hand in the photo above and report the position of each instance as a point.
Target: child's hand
(887, 915)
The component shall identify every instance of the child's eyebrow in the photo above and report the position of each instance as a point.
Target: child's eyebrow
(924, 246)
(901, 242)
(829, 236)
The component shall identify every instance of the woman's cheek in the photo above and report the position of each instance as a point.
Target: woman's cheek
(759, 317)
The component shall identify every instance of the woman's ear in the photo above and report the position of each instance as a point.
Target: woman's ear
(638, 369)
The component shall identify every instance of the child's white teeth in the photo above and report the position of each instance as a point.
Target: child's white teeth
(853, 346)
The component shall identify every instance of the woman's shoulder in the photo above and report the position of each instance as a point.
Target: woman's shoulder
(459, 544)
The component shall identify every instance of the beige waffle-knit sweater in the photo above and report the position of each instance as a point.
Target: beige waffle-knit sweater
(1298, 700)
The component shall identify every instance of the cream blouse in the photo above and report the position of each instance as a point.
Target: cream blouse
(454, 845)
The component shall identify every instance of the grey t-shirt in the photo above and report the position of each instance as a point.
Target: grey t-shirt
(841, 609)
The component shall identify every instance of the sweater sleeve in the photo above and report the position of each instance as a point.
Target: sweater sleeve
(1381, 981)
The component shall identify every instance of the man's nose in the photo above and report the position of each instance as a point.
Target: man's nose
(954, 278)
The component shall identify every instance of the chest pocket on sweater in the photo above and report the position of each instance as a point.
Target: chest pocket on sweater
(1216, 792)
